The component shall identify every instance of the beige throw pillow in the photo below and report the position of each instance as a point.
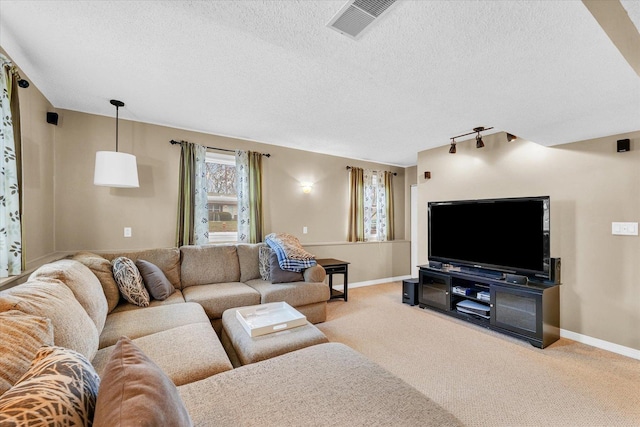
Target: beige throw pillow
(21, 335)
(59, 389)
(135, 391)
(83, 283)
(101, 267)
(130, 281)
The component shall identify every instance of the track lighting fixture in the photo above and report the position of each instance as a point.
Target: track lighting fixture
(479, 143)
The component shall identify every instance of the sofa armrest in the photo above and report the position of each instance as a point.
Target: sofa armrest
(314, 274)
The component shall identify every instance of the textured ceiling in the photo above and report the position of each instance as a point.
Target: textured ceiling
(271, 71)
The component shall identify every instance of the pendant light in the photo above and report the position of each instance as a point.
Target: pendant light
(114, 169)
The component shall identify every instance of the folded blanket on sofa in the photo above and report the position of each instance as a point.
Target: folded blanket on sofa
(291, 255)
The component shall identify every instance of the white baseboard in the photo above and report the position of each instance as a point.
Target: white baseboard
(605, 345)
(377, 281)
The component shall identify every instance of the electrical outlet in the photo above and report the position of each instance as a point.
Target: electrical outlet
(304, 230)
(127, 232)
(624, 228)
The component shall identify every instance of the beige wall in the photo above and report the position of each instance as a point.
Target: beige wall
(93, 218)
(590, 185)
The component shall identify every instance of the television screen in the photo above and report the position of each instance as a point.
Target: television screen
(510, 235)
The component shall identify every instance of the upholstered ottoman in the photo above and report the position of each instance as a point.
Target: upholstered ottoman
(243, 349)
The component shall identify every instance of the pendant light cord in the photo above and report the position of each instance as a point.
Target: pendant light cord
(117, 109)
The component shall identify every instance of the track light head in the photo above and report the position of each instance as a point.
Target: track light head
(479, 143)
(23, 83)
(452, 149)
(511, 137)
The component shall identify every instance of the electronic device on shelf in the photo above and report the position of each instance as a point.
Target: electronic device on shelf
(492, 236)
(484, 296)
(460, 290)
(473, 307)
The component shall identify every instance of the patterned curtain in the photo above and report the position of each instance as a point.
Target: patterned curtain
(193, 215)
(356, 205)
(385, 206)
(249, 186)
(369, 195)
(11, 260)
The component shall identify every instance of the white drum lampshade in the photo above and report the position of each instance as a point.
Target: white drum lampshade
(114, 169)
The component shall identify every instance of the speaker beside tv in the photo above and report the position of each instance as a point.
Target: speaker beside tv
(555, 270)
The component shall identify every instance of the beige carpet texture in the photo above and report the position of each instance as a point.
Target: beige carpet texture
(482, 377)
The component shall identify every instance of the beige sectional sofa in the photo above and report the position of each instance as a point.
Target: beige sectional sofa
(326, 384)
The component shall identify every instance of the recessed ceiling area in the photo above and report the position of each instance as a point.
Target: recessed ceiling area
(273, 72)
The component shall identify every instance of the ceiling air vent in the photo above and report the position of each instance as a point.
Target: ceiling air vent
(358, 15)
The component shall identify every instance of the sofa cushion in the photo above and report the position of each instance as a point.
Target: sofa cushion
(174, 298)
(101, 267)
(167, 259)
(154, 280)
(21, 335)
(203, 265)
(186, 353)
(294, 294)
(147, 321)
(325, 384)
(130, 282)
(135, 391)
(248, 257)
(264, 259)
(215, 299)
(50, 298)
(59, 389)
(83, 283)
(278, 275)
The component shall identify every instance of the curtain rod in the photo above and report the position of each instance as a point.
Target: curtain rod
(394, 173)
(173, 142)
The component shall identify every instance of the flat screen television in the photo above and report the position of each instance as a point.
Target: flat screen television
(509, 235)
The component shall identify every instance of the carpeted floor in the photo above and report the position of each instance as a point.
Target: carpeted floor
(483, 377)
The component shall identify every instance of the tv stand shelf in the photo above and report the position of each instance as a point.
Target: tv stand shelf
(530, 311)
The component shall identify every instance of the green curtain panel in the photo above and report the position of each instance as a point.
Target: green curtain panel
(11, 259)
(388, 205)
(249, 186)
(193, 224)
(356, 205)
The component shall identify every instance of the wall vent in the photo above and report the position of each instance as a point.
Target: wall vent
(357, 15)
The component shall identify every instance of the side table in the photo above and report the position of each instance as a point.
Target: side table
(335, 266)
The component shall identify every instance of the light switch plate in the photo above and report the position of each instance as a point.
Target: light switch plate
(624, 228)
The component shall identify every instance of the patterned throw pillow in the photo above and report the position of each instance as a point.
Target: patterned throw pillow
(130, 281)
(60, 388)
(264, 258)
(21, 335)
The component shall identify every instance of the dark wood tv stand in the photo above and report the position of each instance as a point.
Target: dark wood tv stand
(530, 312)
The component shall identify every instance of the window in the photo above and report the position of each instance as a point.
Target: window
(222, 198)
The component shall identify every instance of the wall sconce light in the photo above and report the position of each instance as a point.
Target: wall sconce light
(114, 169)
(306, 187)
